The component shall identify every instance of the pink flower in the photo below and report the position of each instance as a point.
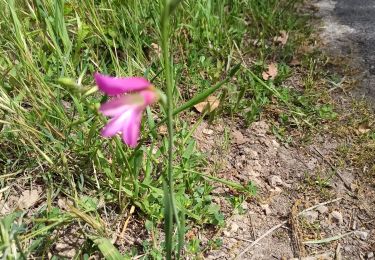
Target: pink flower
(125, 110)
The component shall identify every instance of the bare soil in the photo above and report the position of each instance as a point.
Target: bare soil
(290, 178)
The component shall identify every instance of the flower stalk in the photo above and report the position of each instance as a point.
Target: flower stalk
(170, 207)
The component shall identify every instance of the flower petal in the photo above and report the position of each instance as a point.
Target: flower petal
(149, 96)
(116, 124)
(115, 86)
(131, 129)
(119, 105)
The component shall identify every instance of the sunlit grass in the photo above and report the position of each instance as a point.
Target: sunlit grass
(49, 132)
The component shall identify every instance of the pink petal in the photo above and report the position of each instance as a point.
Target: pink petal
(119, 105)
(149, 96)
(115, 125)
(131, 129)
(115, 86)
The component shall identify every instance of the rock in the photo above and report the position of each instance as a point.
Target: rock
(275, 144)
(277, 190)
(251, 154)
(275, 180)
(322, 209)
(65, 250)
(370, 255)
(312, 163)
(266, 208)
(238, 137)
(354, 225)
(363, 235)
(338, 217)
(260, 128)
(208, 131)
(226, 233)
(234, 228)
(311, 216)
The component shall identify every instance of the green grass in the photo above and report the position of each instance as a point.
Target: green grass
(49, 132)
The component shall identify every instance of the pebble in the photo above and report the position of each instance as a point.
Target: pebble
(208, 131)
(275, 144)
(322, 209)
(354, 225)
(234, 228)
(251, 154)
(275, 180)
(311, 165)
(338, 217)
(363, 235)
(310, 216)
(370, 255)
(238, 137)
(266, 208)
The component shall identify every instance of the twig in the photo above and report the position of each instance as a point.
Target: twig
(280, 225)
(328, 239)
(260, 238)
(132, 209)
(338, 252)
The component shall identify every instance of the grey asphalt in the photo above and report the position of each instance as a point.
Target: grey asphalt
(360, 15)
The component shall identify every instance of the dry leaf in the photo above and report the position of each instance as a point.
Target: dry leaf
(4, 208)
(28, 199)
(364, 129)
(210, 104)
(271, 73)
(163, 130)
(156, 49)
(282, 39)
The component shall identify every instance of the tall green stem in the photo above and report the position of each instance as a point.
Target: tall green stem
(169, 196)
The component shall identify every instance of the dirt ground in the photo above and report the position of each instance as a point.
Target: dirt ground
(290, 179)
(311, 204)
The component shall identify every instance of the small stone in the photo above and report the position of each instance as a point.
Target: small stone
(208, 131)
(275, 180)
(370, 255)
(234, 228)
(354, 225)
(266, 208)
(275, 144)
(277, 190)
(338, 217)
(363, 235)
(251, 154)
(311, 216)
(238, 137)
(322, 209)
(226, 233)
(311, 165)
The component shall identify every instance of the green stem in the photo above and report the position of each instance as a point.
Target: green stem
(169, 84)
